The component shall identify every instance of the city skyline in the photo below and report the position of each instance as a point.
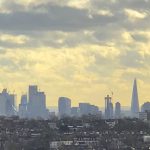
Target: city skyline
(134, 101)
(79, 49)
(74, 74)
(111, 93)
(33, 105)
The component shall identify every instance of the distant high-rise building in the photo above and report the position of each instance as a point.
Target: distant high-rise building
(117, 110)
(7, 103)
(84, 108)
(64, 106)
(75, 111)
(108, 108)
(3, 105)
(88, 109)
(111, 110)
(23, 107)
(94, 110)
(33, 89)
(37, 103)
(135, 101)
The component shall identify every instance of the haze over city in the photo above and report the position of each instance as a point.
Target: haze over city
(83, 50)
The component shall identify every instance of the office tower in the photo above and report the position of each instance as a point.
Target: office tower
(135, 100)
(37, 103)
(84, 108)
(111, 110)
(75, 111)
(145, 107)
(3, 104)
(88, 109)
(7, 103)
(33, 89)
(23, 107)
(117, 110)
(94, 110)
(64, 106)
(108, 108)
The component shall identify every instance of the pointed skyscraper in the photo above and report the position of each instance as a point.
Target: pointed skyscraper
(135, 100)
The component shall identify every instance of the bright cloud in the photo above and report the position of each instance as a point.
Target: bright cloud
(135, 15)
(80, 49)
(20, 39)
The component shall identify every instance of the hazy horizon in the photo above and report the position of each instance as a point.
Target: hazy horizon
(83, 50)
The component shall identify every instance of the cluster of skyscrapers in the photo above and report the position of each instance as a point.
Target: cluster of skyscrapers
(65, 109)
(134, 112)
(110, 112)
(7, 103)
(33, 105)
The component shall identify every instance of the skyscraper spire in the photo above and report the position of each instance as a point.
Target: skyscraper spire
(135, 100)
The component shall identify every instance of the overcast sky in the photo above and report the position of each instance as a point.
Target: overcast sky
(82, 49)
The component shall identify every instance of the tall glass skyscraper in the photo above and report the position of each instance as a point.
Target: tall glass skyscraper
(37, 103)
(64, 107)
(135, 100)
(117, 110)
(108, 107)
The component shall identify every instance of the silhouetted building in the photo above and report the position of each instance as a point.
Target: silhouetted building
(7, 103)
(3, 104)
(88, 109)
(135, 101)
(64, 106)
(84, 108)
(75, 111)
(94, 110)
(111, 111)
(117, 110)
(108, 108)
(37, 103)
(23, 107)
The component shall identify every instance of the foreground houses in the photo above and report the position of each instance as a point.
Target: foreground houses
(72, 134)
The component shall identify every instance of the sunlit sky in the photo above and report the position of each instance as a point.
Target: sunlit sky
(82, 49)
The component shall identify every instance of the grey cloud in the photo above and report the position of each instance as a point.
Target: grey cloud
(117, 9)
(121, 4)
(35, 23)
(131, 75)
(132, 59)
(58, 18)
(140, 38)
(12, 6)
(134, 4)
(9, 64)
(2, 50)
(102, 66)
(112, 33)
